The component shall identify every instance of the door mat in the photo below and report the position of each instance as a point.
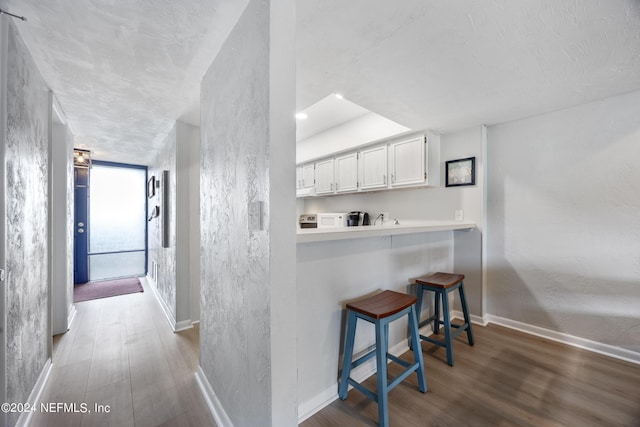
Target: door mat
(106, 288)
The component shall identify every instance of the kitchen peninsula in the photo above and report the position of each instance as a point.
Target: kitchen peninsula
(325, 234)
(337, 265)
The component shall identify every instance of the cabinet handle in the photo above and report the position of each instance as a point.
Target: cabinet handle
(393, 178)
(337, 186)
(332, 186)
(384, 179)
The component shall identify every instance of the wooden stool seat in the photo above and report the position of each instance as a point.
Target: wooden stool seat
(440, 280)
(384, 304)
(441, 284)
(381, 309)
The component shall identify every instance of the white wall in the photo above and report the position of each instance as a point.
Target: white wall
(187, 212)
(362, 130)
(62, 226)
(28, 329)
(193, 213)
(247, 328)
(563, 221)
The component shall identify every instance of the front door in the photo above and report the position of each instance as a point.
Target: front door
(81, 218)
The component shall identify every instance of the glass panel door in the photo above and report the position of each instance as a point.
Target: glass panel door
(117, 221)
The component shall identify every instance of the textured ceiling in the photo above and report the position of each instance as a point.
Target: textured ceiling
(447, 65)
(125, 71)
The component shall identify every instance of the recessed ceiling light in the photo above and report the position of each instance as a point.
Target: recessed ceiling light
(339, 95)
(301, 116)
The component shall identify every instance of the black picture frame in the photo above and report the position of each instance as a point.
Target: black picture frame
(460, 172)
(151, 187)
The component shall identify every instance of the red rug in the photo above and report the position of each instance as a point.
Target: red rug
(107, 288)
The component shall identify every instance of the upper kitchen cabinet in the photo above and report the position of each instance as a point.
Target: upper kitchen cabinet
(346, 173)
(299, 177)
(308, 175)
(325, 183)
(305, 180)
(373, 168)
(407, 162)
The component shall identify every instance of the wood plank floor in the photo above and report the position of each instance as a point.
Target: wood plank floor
(507, 379)
(120, 352)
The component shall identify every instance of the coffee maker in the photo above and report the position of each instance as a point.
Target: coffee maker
(357, 218)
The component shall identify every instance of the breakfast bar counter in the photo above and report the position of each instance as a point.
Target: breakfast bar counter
(339, 233)
(337, 265)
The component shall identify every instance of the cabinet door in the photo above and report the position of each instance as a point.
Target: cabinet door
(373, 168)
(324, 177)
(346, 173)
(407, 162)
(308, 175)
(299, 177)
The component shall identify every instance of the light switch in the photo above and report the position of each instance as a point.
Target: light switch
(255, 216)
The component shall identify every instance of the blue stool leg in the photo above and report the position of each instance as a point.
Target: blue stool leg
(417, 352)
(436, 312)
(349, 337)
(447, 328)
(381, 361)
(418, 310)
(465, 313)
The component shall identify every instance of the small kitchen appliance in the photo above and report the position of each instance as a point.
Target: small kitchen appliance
(308, 221)
(332, 220)
(357, 218)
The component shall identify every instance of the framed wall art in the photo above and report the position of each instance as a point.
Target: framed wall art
(460, 172)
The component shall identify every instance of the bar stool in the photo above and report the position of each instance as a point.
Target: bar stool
(441, 284)
(381, 309)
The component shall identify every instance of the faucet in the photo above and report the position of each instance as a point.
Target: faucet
(377, 218)
(395, 221)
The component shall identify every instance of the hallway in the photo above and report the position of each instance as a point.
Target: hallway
(121, 353)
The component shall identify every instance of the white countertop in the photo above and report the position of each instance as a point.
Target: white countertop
(325, 234)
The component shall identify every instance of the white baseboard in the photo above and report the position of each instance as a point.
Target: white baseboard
(34, 397)
(572, 340)
(478, 320)
(71, 316)
(175, 326)
(361, 373)
(218, 412)
(183, 325)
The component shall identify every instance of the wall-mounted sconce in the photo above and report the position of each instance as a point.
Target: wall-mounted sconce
(81, 158)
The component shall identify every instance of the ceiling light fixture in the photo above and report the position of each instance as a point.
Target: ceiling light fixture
(4, 12)
(301, 116)
(81, 158)
(338, 95)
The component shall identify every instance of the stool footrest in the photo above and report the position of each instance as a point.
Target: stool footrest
(411, 368)
(359, 361)
(432, 341)
(362, 389)
(397, 380)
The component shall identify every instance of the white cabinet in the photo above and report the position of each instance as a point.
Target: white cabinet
(324, 177)
(346, 173)
(308, 175)
(407, 162)
(299, 177)
(373, 168)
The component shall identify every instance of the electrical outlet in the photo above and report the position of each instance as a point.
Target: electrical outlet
(459, 215)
